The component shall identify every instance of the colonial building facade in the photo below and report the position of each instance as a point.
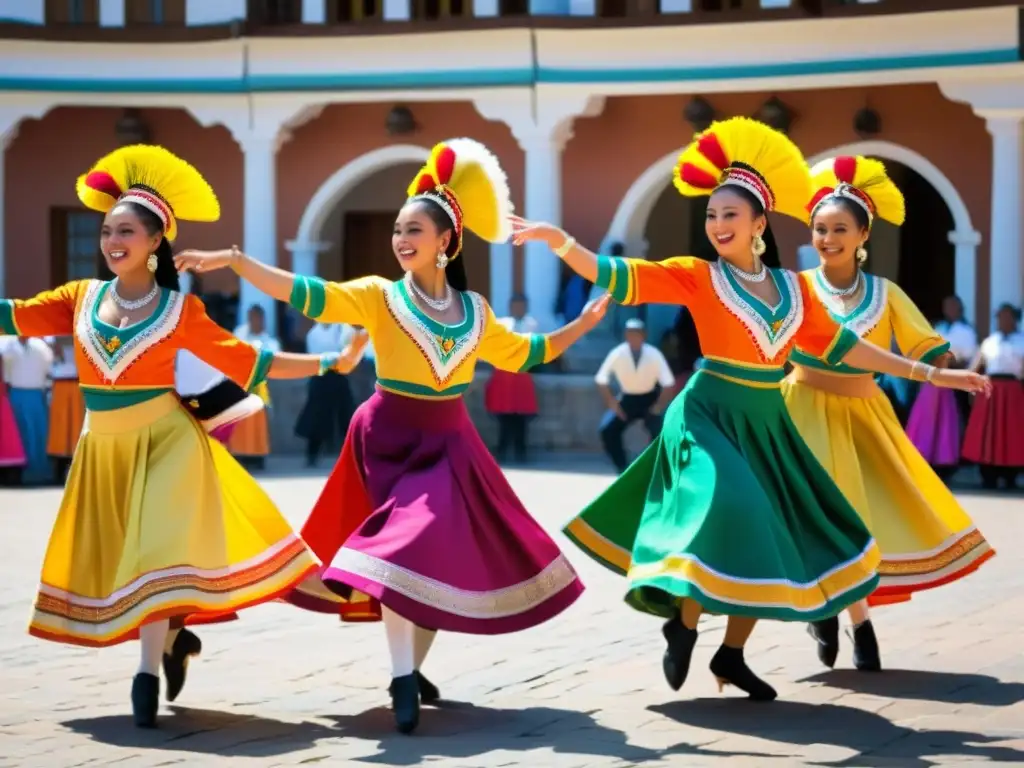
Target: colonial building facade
(310, 117)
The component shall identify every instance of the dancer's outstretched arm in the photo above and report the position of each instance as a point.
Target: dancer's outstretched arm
(276, 283)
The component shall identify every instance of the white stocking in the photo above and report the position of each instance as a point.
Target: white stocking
(151, 637)
(401, 635)
(422, 641)
(859, 613)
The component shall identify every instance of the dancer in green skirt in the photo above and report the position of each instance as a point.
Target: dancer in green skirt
(728, 511)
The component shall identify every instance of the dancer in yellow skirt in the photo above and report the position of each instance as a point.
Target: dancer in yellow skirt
(158, 523)
(925, 537)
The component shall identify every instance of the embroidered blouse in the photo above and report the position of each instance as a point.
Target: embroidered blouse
(119, 367)
(884, 312)
(733, 324)
(417, 356)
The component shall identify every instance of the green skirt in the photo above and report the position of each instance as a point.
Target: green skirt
(730, 508)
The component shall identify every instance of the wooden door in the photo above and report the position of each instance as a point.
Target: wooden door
(367, 245)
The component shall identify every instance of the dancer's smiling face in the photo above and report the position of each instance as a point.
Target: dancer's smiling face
(732, 223)
(422, 231)
(837, 232)
(126, 239)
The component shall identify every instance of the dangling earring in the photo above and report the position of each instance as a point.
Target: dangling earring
(152, 262)
(442, 260)
(862, 254)
(757, 247)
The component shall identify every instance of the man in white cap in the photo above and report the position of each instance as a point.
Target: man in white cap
(646, 385)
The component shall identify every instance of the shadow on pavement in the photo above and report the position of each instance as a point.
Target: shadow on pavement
(877, 741)
(457, 730)
(205, 731)
(921, 685)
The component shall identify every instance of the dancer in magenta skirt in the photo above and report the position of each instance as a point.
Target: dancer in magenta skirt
(12, 453)
(417, 523)
(937, 416)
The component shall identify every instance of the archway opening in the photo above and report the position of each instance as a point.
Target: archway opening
(356, 231)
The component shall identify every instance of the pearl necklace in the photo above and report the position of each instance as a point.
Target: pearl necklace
(131, 306)
(437, 304)
(841, 293)
(750, 277)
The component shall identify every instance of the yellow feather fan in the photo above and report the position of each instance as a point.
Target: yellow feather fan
(729, 150)
(132, 172)
(868, 178)
(465, 172)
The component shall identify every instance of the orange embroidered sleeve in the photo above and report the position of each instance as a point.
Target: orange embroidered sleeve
(636, 281)
(241, 362)
(50, 313)
(819, 334)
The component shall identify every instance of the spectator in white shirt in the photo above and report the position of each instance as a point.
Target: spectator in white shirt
(329, 403)
(27, 370)
(249, 442)
(646, 385)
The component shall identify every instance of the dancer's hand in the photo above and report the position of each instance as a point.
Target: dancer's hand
(205, 261)
(593, 313)
(524, 231)
(968, 381)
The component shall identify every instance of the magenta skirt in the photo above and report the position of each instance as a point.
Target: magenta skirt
(934, 426)
(419, 517)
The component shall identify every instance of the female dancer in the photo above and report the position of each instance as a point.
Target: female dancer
(729, 511)
(925, 536)
(416, 515)
(993, 439)
(937, 417)
(158, 523)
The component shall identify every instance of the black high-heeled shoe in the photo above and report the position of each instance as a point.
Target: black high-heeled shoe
(826, 635)
(676, 661)
(429, 692)
(729, 668)
(405, 702)
(866, 656)
(145, 699)
(186, 645)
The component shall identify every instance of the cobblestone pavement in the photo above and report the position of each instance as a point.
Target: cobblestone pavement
(283, 687)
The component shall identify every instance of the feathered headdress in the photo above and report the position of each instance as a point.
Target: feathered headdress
(154, 178)
(861, 180)
(466, 180)
(745, 153)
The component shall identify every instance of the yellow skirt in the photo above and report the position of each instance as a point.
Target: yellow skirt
(158, 521)
(67, 414)
(251, 436)
(925, 536)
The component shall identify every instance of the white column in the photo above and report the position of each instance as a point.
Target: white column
(397, 10)
(314, 11)
(112, 13)
(259, 239)
(200, 12)
(965, 254)
(486, 7)
(501, 277)
(26, 11)
(1006, 276)
(543, 202)
(306, 256)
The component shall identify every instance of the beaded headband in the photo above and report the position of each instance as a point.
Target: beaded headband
(151, 203)
(846, 192)
(445, 199)
(751, 181)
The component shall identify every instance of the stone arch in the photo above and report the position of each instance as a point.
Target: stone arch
(345, 179)
(631, 216)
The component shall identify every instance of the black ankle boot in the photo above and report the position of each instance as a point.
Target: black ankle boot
(186, 645)
(866, 656)
(729, 668)
(676, 661)
(405, 702)
(145, 699)
(428, 691)
(826, 634)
